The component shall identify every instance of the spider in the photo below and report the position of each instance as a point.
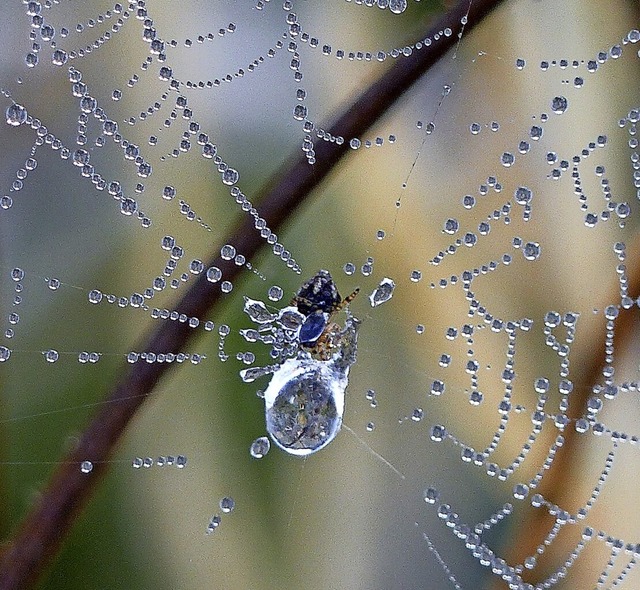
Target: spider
(318, 299)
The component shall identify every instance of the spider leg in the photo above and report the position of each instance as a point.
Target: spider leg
(347, 300)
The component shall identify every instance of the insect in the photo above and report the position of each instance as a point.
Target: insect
(318, 299)
(304, 401)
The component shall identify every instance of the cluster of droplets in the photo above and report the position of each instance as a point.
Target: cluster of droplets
(356, 143)
(298, 36)
(560, 344)
(43, 32)
(95, 296)
(472, 534)
(592, 65)
(16, 115)
(622, 209)
(279, 330)
(297, 33)
(227, 506)
(179, 461)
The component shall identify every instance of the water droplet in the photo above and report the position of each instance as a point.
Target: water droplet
(438, 433)
(520, 491)
(531, 250)
(59, 57)
(214, 523)
(559, 105)
(349, 268)
(95, 296)
(397, 6)
(299, 112)
(260, 447)
(431, 495)
(230, 176)
(275, 293)
(451, 226)
(214, 274)
(51, 356)
(507, 159)
(227, 504)
(86, 467)
(17, 274)
(382, 293)
(16, 115)
(227, 252)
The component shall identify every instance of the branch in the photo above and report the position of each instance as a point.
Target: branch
(45, 527)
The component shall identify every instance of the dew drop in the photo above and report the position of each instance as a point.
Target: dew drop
(397, 6)
(451, 226)
(559, 105)
(51, 356)
(227, 504)
(275, 293)
(520, 491)
(86, 467)
(17, 274)
(230, 176)
(382, 293)
(299, 112)
(59, 57)
(214, 523)
(227, 252)
(431, 495)
(16, 115)
(507, 159)
(531, 251)
(214, 274)
(95, 296)
(260, 447)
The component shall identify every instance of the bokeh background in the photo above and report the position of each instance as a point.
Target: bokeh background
(342, 518)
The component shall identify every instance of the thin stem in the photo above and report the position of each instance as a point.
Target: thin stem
(41, 535)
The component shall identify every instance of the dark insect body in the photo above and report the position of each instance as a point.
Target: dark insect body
(319, 300)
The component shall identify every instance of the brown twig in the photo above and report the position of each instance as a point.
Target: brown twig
(45, 527)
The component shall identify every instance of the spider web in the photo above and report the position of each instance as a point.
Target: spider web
(500, 197)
